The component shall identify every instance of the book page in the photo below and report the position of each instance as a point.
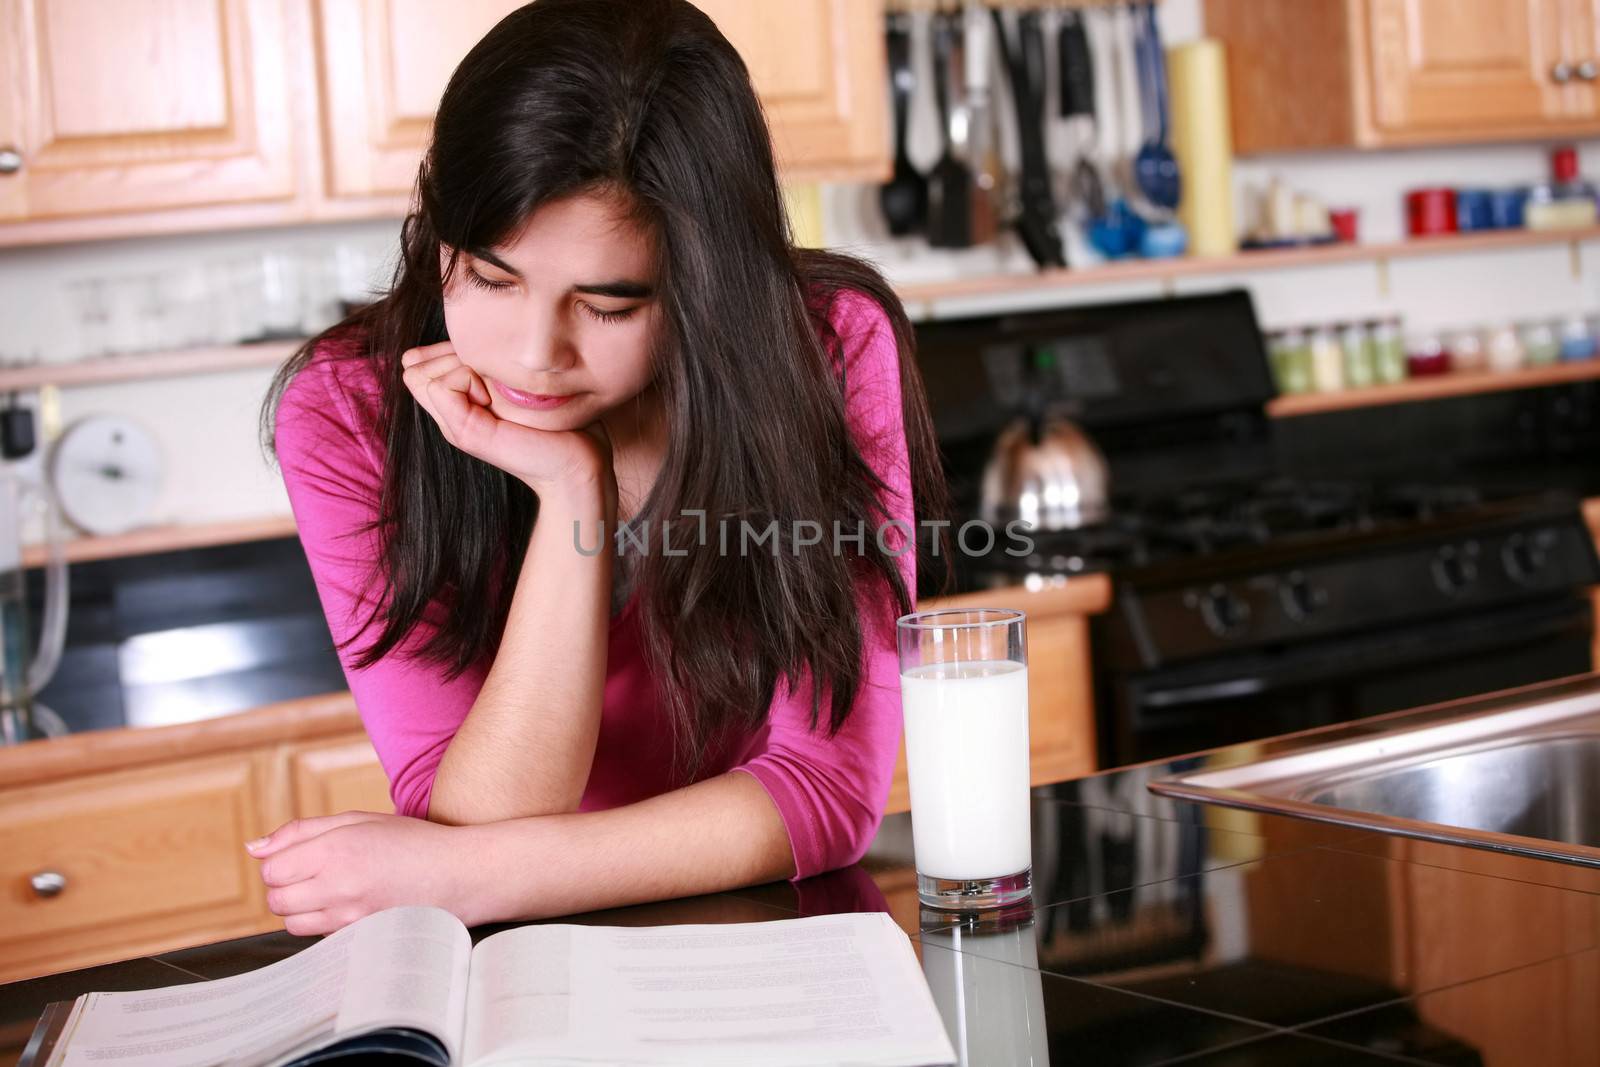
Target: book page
(830, 988)
(398, 967)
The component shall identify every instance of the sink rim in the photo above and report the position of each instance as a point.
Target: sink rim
(1281, 782)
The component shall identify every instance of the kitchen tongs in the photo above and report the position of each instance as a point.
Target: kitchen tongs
(1036, 221)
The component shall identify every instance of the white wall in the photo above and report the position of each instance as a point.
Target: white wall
(207, 428)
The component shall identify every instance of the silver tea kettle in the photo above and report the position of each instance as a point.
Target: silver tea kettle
(1044, 471)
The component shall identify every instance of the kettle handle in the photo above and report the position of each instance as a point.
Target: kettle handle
(53, 625)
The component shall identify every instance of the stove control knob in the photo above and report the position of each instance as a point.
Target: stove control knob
(1300, 598)
(1524, 557)
(1455, 568)
(1225, 614)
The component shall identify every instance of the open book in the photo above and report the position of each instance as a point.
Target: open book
(408, 983)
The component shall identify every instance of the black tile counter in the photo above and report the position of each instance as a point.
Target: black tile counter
(1163, 932)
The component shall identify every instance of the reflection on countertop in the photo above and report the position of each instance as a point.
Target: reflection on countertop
(1162, 930)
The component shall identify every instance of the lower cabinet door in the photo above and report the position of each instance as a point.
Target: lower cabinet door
(112, 866)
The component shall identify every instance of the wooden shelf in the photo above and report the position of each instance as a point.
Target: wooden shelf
(139, 365)
(1434, 388)
(1169, 270)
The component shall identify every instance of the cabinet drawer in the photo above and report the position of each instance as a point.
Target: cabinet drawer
(335, 776)
(116, 865)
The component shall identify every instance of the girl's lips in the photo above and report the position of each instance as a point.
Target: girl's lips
(531, 400)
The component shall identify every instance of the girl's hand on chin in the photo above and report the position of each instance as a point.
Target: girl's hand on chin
(459, 401)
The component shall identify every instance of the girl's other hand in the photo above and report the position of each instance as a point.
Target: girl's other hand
(323, 873)
(458, 399)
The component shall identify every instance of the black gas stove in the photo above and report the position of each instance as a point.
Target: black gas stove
(1229, 520)
(1250, 601)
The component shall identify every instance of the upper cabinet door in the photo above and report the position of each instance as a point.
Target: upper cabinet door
(384, 66)
(819, 67)
(142, 105)
(1465, 65)
(1580, 52)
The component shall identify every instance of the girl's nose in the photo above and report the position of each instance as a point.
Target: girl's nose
(546, 347)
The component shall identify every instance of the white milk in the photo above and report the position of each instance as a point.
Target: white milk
(967, 759)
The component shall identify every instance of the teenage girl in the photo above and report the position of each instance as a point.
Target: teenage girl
(599, 319)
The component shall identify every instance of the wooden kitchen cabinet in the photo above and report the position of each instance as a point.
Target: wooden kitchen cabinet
(339, 775)
(817, 64)
(151, 118)
(820, 69)
(1378, 73)
(109, 866)
(383, 64)
(115, 108)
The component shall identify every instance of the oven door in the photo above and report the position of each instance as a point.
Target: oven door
(1203, 704)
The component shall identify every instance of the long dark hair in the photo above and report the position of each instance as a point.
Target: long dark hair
(645, 98)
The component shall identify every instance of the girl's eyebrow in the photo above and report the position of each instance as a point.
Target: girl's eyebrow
(621, 288)
(493, 260)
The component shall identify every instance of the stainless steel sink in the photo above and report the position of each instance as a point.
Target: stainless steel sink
(1515, 772)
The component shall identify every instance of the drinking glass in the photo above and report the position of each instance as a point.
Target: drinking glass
(964, 691)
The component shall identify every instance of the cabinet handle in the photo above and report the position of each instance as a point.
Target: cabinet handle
(1587, 70)
(10, 160)
(1561, 73)
(48, 883)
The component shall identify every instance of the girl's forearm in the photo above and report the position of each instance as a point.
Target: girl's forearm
(718, 834)
(527, 744)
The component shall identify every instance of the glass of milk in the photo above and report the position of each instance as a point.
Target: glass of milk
(964, 689)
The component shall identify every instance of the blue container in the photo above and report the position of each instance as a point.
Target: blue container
(1506, 207)
(1163, 240)
(1474, 210)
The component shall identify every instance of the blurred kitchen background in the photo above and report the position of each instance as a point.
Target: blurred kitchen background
(1306, 291)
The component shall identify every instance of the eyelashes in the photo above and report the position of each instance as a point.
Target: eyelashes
(479, 281)
(474, 278)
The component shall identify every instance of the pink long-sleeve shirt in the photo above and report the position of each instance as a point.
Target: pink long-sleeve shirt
(830, 793)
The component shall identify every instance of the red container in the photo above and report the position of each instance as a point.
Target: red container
(1430, 212)
(1346, 224)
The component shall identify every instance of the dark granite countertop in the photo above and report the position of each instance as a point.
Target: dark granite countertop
(1164, 931)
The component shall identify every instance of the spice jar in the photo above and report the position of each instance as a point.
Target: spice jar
(1356, 346)
(1388, 351)
(1327, 361)
(1426, 355)
(1577, 342)
(1504, 348)
(1291, 361)
(1541, 345)
(1467, 353)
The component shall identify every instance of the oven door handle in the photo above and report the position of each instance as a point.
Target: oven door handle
(1232, 689)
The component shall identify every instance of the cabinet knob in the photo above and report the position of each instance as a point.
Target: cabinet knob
(48, 883)
(1588, 70)
(1561, 73)
(10, 160)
